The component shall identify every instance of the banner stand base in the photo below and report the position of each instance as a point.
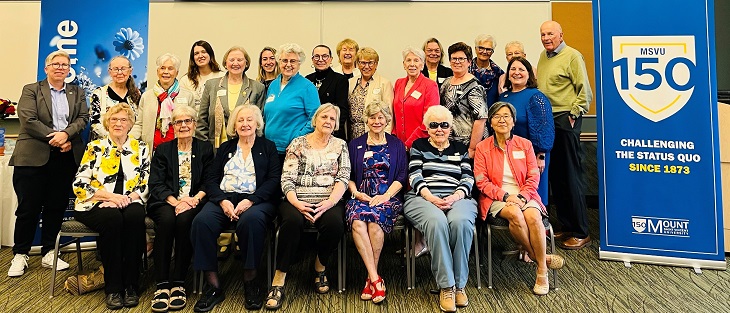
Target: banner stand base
(662, 260)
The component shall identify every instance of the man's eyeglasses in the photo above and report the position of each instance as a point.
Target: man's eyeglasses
(443, 125)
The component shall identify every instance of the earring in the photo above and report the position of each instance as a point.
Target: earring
(312, 65)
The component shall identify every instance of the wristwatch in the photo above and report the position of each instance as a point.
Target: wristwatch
(573, 116)
(522, 197)
(504, 198)
(541, 156)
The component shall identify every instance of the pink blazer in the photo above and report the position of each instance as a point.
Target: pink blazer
(409, 108)
(489, 169)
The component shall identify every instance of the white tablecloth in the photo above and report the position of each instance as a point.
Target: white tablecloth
(8, 202)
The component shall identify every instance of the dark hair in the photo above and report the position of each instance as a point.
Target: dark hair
(460, 46)
(500, 104)
(322, 46)
(193, 71)
(531, 80)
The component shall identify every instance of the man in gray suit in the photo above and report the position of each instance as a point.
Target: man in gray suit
(49, 148)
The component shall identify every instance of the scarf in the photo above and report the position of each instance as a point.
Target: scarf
(165, 98)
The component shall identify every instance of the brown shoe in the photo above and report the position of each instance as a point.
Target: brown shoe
(461, 299)
(561, 235)
(575, 243)
(446, 300)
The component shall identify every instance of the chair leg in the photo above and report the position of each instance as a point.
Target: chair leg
(407, 253)
(552, 250)
(78, 255)
(269, 268)
(477, 257)
(412, 256)
(53, 273)
(341, 271)
(489, 257)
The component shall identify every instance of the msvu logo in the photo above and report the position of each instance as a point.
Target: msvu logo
(661, 226)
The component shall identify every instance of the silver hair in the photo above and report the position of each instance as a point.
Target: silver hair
(515, 43)
(376, 107)
(326, 107)
(290, 48)
(418, 52)
(484, 37)
(437, 111)
(184, 110)
(168, 56)
(231, 127)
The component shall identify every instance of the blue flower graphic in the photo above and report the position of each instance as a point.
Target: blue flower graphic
(128, 43)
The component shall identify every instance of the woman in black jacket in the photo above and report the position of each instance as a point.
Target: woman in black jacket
(331, 86)
(243, 192)
(178, 174)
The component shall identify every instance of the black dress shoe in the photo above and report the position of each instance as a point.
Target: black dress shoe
(114, 301)
(254, 297)
(209, 299)
(131, 299)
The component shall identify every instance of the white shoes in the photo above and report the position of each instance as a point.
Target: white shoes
(47, 261)
(18, 265)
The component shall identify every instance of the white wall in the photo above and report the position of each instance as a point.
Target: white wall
(386, 26)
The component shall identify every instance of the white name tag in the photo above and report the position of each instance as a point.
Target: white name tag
(416, 94)
(376, 91)
(181, 100)
(270, 98)
(221, 93)
(441, 79)
(454, 158)
(459, 92)
(518, 154)
(368, 154)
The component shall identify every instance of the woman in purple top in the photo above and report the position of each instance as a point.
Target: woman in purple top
(378, 175)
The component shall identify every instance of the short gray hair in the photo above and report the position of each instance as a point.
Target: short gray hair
(516, 43)
(326, 107)
(500, 104)
(184, 110)
(418, 52)
(376, 107)
(484, 37)
(57, 53)
(291, 48)
(168, 56)
(437, 111)
(231, 127)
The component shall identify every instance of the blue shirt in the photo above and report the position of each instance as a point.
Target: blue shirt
(288, 112)
(60, 108)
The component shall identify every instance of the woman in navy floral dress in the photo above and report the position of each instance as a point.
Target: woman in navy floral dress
(378, 174)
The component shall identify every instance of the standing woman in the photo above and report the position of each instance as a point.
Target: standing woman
(177, 180)
(291, 101)
(331, 86)
(314, 178)
(434, 68)
(202, 66)
(223, 94)
(121, 89)
(413, 95)
(347, 55)
(111, 191)
(485, 69)
(379, 163)
(365, 89)
(533, 114)
(154, 116)
(464, 97)
(268, 69)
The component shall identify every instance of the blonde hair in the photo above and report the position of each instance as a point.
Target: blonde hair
(324, 108)
(119, 107)
(376, 107)
(245, 55)
(347, 42)
(231, 127)
(368, 53)
(57, 53)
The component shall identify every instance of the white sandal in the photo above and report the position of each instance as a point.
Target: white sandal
(178, 298)
(161, 300)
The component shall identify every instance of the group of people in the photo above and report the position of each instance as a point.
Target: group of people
(216, 150)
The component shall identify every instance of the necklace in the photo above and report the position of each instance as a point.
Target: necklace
(379, 142)
(318, 82)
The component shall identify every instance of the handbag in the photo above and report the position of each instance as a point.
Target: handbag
(85, 282)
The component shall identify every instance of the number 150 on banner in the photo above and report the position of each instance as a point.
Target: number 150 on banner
(653, 74)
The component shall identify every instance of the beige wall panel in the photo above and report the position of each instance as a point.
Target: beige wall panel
(18, 46)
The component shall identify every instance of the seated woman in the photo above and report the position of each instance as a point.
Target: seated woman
(440, 205)
(156, 105)
(314, 178)
(511, 192)
(242, 192)
(177, 177)
(111, 189)
(378, 175)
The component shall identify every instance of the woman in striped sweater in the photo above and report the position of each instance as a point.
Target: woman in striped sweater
(440, 204)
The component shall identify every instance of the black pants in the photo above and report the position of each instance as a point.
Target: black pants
(42, 191)
(169, 229)
(566, 176)
(121, 243)
(251, 230)
(330, 226)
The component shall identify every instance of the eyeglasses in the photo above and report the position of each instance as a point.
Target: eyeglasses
(187, 121)
(118, 69)
(290, 61)
(459, 60)
(114, 120)
(485, 49)
(323, 57)
(63, 66)
(366, 63)
(443, 125)
(502, 118)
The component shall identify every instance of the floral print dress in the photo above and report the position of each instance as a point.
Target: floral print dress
(375, 182)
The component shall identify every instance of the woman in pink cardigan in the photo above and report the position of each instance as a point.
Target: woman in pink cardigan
(507, 176)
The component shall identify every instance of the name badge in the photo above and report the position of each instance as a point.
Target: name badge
(221, 93)
(441, 79)
(518, 154)
(376, 91)
(368, 154)
(459, 92)
(454, 158)
(181, 100)
(270, 98)
(416, 94)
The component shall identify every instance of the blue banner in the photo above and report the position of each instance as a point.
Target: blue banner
(658, 148)
(93, 32)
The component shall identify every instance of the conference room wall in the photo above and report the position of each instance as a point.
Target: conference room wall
(387, 27)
